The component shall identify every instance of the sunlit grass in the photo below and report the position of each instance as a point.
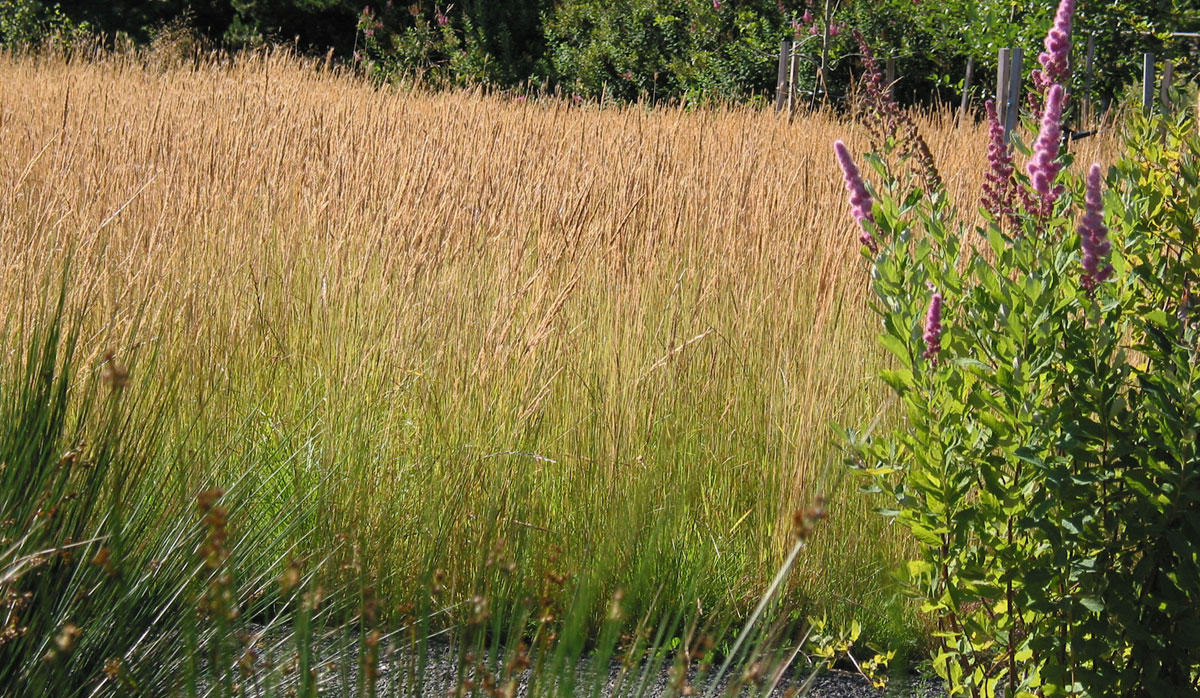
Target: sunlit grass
(465, 342)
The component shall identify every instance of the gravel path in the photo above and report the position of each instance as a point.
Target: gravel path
(440, 678)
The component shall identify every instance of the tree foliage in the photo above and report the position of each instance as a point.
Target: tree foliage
(648, 48)
(664, 49)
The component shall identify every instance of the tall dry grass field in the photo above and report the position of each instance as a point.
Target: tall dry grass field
(490, 337)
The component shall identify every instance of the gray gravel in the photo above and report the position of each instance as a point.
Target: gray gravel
(440, 677)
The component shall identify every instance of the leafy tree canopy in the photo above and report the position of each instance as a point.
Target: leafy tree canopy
(657, 49)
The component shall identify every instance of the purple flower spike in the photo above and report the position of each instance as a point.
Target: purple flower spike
(998, 182)
(1044, 167)
(860, 199)
(1058, 46)
(933, 328)
(1093, 236)
(1055, 59)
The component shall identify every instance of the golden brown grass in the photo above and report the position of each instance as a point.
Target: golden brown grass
(617, 332)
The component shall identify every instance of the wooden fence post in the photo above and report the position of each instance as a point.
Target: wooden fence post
(1164, 90)
(1089, 61)
(781, 89)
(1002, 65)
(966, 93)
(1014, 93)
(795, 58)
(1147, 83)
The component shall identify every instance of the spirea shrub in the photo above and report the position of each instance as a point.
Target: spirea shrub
(1047, 366)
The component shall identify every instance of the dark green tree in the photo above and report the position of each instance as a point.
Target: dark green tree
(315, 25)
(931, 42)
(655, 49)
(632, 49)
(139, 18)
(510, 32)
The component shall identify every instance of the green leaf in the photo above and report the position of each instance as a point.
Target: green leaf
(897, 347)
(1156, 317)
(968, 362)
(901, 381)
(918, 569)
(925, 534)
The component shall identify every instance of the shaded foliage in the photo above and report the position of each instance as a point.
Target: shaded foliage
(656, 49)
